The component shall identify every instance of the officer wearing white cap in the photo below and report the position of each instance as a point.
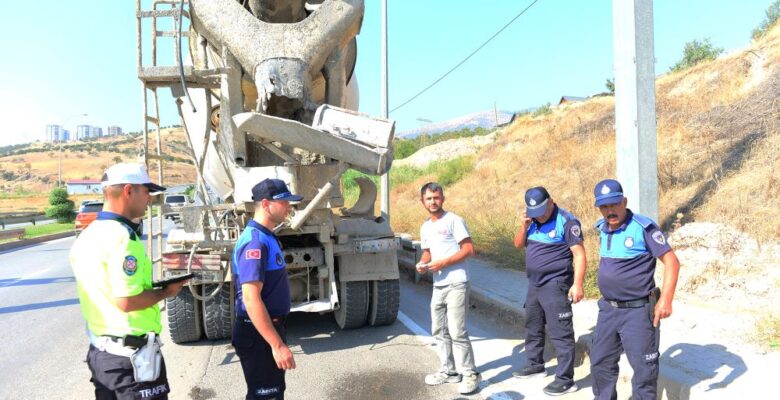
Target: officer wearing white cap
(555, 264)
(263, 294)
(632, 307)
(114, 280)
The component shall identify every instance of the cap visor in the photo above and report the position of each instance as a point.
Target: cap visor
(608, 200)
(536, 212)
(292, 197)
(153, 188)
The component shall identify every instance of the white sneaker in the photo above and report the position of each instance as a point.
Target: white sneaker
(437, 378)
(470, 383)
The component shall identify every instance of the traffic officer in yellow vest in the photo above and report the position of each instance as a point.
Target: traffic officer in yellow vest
(114, 279)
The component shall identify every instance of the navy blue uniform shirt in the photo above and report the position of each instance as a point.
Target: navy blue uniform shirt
(548, 247)
(258, 256)
(628, 257)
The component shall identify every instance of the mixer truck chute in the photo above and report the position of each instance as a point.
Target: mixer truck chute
(267, 91)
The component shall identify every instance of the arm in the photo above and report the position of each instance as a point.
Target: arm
(148, 297)
(522, 234)
(262, 322)
(663, 308)
(466, 251)
(576, 292)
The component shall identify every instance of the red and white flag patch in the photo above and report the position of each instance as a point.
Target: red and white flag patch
(252, 254)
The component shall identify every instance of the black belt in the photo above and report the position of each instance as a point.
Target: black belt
(131, 341)
(629, 304)
(274, 320)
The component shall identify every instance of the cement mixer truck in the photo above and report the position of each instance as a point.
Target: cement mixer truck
(266, 89)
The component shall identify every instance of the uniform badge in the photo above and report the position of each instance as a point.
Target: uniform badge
(658, 236)
(552, 234)
(576, 231)
(130, 265)
(279, 259)
(629, 242)
(252, 254)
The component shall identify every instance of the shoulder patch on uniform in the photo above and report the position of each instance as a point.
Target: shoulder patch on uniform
(130, 265)
(575, 230)
(253, 254)
(279, 259)
(659, 238)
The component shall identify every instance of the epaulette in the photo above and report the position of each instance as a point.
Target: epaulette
(644, 221)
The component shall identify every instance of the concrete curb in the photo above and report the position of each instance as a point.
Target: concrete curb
(35, 240)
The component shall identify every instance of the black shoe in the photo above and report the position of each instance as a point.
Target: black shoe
(530, 372)
(558, 388)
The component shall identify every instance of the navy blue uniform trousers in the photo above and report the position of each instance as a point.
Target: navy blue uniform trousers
(264, 380)
(549, 304)
(630, 330)
(113, 378)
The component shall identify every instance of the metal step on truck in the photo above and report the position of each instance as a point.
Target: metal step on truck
(266, 89)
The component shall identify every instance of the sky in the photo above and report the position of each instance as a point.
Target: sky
(64, 59)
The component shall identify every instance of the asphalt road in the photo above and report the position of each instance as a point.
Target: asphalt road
(45, 346)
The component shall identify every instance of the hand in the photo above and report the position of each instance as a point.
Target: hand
(662, 310)
(422, 267)
(576, 293)
(172, 289)
(283, 357)
(435, 266)
(526, 221)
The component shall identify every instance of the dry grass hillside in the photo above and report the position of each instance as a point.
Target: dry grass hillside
(718, 146)
(27, 175)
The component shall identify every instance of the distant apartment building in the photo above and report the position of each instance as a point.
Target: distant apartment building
(88, 132)
(114, 130)
(55, 133)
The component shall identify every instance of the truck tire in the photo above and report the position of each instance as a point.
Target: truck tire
(216, 312)
(353, 298)
(184, 317)
(385, 298)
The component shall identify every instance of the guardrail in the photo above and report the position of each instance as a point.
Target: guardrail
(12, 234)
(18, 218)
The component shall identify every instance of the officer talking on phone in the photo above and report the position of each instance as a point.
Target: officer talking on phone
(118, 302)
(555, 263)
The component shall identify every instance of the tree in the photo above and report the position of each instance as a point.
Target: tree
(610, 85)
(772, 15)
(695, 52)
(61, 207)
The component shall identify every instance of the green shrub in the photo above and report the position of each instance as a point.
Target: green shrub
(543, 110)
(696, 52)
(772, 15)
(61, 207)
(451, 171)
(404, 148)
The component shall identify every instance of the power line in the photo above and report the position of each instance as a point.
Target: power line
(465, 59)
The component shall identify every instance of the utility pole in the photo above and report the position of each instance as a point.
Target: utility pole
(385, 181)
(635, 119)
(495, 112)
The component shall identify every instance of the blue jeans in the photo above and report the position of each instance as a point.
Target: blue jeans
(449, 305)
